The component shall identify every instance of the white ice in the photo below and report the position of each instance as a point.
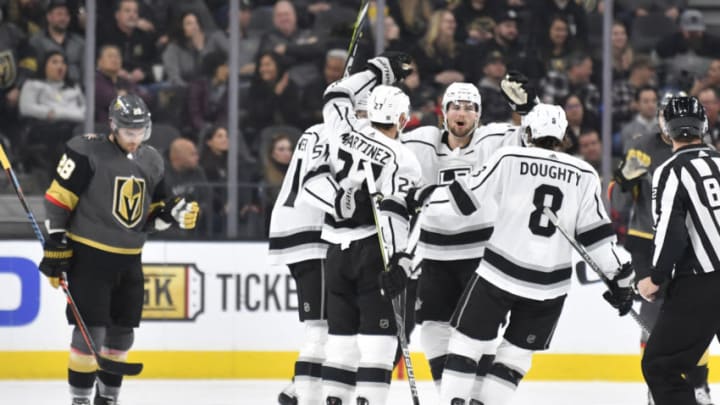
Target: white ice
(264, 392)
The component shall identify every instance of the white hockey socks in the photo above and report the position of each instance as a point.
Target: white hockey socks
(510, 366)
(308, 367)
(375, 369)
(339, 371)
(461, 366)
(434, 338)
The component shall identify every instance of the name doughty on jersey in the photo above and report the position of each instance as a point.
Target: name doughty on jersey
(551, 171)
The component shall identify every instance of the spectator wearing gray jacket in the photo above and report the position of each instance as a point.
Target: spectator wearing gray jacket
(182, 59)
(56, 37)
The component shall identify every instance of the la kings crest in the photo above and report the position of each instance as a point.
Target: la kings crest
(128, 200)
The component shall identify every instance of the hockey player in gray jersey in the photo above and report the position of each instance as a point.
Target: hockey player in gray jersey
(106, 195)
(359, 317)
(526, 268)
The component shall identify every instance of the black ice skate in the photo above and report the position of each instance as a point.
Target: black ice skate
(333, 401)
(80, 401)
(363, 401)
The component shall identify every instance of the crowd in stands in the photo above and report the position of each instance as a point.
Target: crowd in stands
(174, 54)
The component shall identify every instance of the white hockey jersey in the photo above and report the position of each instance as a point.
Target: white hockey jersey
(526, 255)
(395, 169)
(449, 237)
(295, 226)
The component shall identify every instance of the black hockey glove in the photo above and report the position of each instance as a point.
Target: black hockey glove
(56, 258)
(394, 279)
(629, 172)
(390, 67)
(179, 211)
(354, 204)
(519, 92)
(417, 197)
(620, 293)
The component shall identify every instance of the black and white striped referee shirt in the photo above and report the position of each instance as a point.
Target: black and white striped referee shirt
(686, 206)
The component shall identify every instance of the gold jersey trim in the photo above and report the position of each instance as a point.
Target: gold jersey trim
(62, 195)
(640, 234)
(104, 247)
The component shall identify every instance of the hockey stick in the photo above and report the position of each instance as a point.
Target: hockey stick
(105, 364)
(398, 306)
(356, 35)
(594, 266)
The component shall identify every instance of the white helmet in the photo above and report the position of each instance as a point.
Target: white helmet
(545, 120)
(386, 104)
(460, 91)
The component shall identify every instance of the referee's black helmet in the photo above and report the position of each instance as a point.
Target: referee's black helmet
(684, 118)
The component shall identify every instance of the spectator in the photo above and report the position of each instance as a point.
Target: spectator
(183, 174)
(438, 55)
(686, 51)
(56, 37)
(412, 17)
(469, 11)
(422, 99)
(557, 46)
(312, 99)
(590, 148)
(275, 164)
(576, 80)
(494, 106)
(182, 59)
(506, 39)
(208, 97)
(393, 41)
(55, 104)
(710, 79)
(711, 102)
(301, 48)
(622, 52)
(671, 8)
(480, 31)
(109, 84)
(136, 46)
(273, 98)
(641, 74)
(645, 121)
(544, 11)
(575, 113)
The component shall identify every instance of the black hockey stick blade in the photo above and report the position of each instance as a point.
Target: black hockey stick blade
(118, 367)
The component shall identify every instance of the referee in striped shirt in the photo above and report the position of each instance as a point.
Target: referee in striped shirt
(686, 206)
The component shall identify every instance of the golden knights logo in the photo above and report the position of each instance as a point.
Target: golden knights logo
(128, 200)
(8, 73)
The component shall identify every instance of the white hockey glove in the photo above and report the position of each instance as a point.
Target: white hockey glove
(418, 196)
(177, 210)
(390, 67)
(354, 203)
(519, 93)
(394, 280)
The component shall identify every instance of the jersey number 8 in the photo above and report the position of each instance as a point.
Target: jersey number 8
(545, 196)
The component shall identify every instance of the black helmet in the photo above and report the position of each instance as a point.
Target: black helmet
(129, 111)
(684, 118)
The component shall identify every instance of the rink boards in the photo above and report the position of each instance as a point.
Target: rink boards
(218, 310)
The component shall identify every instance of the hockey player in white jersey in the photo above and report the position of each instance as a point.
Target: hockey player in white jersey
(358, 315)
(526, 268)
(295, 241)
(451, 248)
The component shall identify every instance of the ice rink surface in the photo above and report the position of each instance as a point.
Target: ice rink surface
(264, 392)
